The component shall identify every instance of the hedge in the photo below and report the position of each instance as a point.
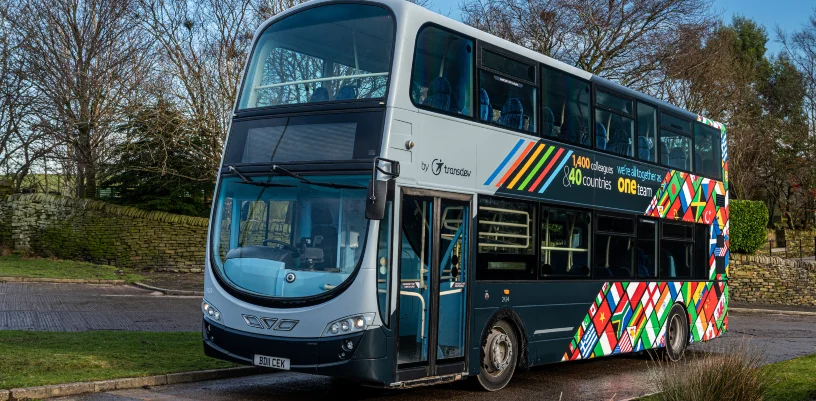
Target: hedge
(749, 220)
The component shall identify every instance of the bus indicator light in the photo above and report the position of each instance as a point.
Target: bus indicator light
(506, 292)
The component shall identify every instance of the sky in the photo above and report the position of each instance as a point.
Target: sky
(790, 15)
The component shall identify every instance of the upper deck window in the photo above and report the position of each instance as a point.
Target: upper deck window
(338, 52)
(565, 114)
(507, 92)
(442, 76)
(614, 126)
(675, 142)
(647, 132)
(707, 153)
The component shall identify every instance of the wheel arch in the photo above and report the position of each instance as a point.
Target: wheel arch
(513, 318)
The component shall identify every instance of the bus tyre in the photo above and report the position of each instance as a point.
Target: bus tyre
(499, 356)
(677, 333)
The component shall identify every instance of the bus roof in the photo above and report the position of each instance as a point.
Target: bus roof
(406, 10)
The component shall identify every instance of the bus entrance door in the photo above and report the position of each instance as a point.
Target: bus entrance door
(434, 263)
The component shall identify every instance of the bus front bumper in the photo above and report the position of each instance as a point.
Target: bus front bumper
(367, 362)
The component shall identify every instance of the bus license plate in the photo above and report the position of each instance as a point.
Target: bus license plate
(272, 362)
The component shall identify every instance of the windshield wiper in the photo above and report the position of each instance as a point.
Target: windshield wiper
(249, 181)
(281, 170)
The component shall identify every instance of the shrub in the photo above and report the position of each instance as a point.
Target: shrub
(728, 373)
(748, 222)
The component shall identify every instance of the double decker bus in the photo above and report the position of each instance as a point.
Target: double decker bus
(406, 200)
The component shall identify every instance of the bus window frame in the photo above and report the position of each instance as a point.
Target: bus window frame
(478, 67)
(473, 83)
(601, 213)
(633, 116)
(715, 145)
(661, 127)
(590, 105)
(480, 259)
(316, 106)
(691, 240)
(590, 242)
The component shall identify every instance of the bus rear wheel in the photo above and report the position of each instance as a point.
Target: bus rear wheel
(677, 333)
(499, 356)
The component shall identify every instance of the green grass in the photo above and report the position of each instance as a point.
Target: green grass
(793, 380)
(17, 266)
(41, 358)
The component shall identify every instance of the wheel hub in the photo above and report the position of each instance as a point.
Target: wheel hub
(500, 351)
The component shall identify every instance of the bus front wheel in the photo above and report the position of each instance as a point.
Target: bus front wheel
(499, 356)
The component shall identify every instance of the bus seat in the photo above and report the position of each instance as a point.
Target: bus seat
(512, 114)
(623, 272)
(600, 136)
(320, 94)
(570, 129)
(667, 266)
(664, 153)
(644, 150)
(603, 272)
(346, 93)
(619, 143)
(439, 94)
(323, 225)
(643, 272)
(549, 122)
(677, 158)
(546, 268)
(485, 111)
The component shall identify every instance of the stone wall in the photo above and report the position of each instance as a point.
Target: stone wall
(772, 280)
(103, 233)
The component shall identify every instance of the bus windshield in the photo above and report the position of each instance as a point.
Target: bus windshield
(338, 52)
(279, 236)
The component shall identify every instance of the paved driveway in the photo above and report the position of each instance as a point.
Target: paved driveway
(81, 307)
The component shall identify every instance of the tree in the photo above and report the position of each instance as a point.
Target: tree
(154, 161)
(623, 40)
(86, 60)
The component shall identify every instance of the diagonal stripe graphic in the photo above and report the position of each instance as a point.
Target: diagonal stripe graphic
(504, 162)
(515, 164)
(549, 180)
(526, 166)
(536, 168)
(546, 170)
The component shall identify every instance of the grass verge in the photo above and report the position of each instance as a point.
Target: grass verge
(18, 266)
(31, 358)
(793, 380)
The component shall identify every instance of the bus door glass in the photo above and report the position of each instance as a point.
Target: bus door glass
(433, 274)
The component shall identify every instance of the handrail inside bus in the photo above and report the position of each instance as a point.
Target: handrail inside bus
(309, 81)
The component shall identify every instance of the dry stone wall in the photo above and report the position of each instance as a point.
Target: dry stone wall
(99, 232)
(772, 280)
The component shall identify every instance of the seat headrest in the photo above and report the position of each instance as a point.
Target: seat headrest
(347, 92)
(320, 94)
(512, 106)
(440, 86)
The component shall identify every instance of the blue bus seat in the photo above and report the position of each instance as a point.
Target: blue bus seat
(512, 114)
(644, 150)
(600, 136)
(347, 92)
(439, 94)
(549, 122)
(320, 94)
(677, 158)
(485, 110)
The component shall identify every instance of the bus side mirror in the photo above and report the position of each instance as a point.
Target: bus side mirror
(377, 196)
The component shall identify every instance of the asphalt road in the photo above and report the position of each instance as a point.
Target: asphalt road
(33, 306)
(82, 307)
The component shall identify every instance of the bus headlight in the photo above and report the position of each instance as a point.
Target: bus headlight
(210, 311)
(349, 324)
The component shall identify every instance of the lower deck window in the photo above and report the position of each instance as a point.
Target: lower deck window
(506, 239)
(565, 243)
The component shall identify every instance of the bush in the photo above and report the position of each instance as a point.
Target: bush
(729, 373)
(748, 222)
